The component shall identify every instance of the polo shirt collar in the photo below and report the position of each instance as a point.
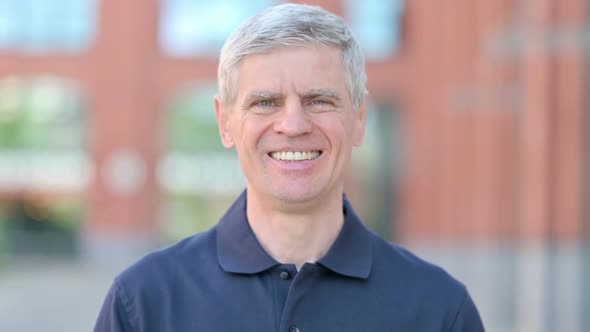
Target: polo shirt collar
(351, 253)
(239, 251)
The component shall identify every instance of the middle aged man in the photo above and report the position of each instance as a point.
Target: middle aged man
(290, 255)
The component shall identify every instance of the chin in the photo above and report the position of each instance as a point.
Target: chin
(297, 195)
(293, 197)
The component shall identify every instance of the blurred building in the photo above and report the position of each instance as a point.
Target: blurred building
(474, 156)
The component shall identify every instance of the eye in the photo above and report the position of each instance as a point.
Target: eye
(319, 102)
(264, 106)
(265, 103)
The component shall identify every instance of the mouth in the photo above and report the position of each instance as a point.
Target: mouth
(294, 155)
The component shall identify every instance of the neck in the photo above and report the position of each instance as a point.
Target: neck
(296, 235)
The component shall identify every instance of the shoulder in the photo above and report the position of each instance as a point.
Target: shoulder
(419, 276)
(156, 285)
(197, 252)
(423, 287)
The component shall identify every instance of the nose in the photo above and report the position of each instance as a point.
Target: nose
(293, 120)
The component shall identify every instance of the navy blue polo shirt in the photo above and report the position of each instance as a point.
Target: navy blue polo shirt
(223, 280)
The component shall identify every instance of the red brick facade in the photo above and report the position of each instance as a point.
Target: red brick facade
(491, 101)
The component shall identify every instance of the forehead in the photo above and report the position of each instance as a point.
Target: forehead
(292, 68)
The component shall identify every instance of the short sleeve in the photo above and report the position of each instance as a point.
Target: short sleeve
(468, 319)
(114, 314)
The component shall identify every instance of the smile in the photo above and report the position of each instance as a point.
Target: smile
(294, 155)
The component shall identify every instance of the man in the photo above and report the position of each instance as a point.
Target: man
(290, 254)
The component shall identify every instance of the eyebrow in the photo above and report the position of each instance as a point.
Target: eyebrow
(308, 94)
(314, 93)
(259, 94)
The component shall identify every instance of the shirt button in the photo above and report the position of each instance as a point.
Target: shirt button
(293, 329)
(285, 275)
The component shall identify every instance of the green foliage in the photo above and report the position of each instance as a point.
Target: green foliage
(187, 214)
(42, 116)
(192, 127)
(192, 131)
(39, 117)
(67, 212)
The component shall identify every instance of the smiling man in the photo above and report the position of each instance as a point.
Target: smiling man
(290, 254)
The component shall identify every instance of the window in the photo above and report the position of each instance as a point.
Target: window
(197, 27)
(199, 177)
(42, 130)
(47, 26)
(375, 174)
(376, 24)
(44, 167)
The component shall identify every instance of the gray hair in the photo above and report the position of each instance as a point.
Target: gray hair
(290, 25)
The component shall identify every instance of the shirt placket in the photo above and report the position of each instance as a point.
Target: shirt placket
(281, 277)
(290, 320)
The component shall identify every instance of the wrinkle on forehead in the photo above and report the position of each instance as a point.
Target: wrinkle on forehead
(309, 94)
(321, 75)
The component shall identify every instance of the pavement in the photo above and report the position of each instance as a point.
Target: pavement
(52, 295)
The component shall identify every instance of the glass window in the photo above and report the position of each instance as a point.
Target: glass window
(199, 177)
(197, 27)
(374, 174)
(44, 166)
(47, 26)
(377, 25)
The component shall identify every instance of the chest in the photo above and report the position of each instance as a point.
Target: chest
(282, 300)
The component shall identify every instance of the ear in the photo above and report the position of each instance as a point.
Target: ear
(221, 112)
(360, 122)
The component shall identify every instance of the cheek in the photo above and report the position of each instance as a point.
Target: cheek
(253, 132)
(337, 130)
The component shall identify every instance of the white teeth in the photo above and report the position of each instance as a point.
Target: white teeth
(295, 155)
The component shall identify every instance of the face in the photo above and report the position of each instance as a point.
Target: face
(293, 124)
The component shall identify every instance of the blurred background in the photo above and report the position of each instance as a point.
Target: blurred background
(476, 155)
